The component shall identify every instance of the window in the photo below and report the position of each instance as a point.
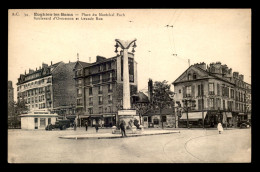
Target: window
(100, 68)
(232, 93)
(90, 91)
(211, 88)
(110, 99)
(79, 92)
(200, 104)
(100, 110)
(49, 120)
(109, 110)
(179, 90)
(188, 91)
(189, 76)
(194, 76)
(109, 65)
(224, 104)
(211, 103)
(99, 89)
(156, 121)
(79, 102)
(110, 88)
(200, 90)
(90, 79)
(42, 122)
(100, 100)
(91, 101)
(164, 118)
(90, 110)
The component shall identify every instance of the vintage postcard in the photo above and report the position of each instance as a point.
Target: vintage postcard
(129, 86)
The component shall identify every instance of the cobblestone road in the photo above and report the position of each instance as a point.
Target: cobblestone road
(188, 146)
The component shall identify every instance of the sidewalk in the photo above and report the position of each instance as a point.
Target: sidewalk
(107, 134)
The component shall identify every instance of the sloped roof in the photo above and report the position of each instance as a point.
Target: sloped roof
(83, 64)
(205, 71)
(142, 98)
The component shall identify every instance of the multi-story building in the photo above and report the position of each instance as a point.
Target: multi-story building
(49, 88)
(100, 89)
(217, 94)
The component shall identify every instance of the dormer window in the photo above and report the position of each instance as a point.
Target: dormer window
(194, 76)
(189, 76)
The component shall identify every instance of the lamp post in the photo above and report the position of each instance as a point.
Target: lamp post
(125, 45)
(126, 112)
(188, 103)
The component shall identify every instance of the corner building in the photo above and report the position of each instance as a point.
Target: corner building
(49, 88)
(100, 89)
(219, 95)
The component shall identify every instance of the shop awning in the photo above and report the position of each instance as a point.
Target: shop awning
(192, 116)
(229, 114)
(83, 116)
(71, 116)
(109, 115)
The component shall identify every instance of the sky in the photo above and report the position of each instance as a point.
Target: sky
(201, 35)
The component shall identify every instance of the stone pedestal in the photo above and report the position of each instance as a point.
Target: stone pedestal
(127, 115)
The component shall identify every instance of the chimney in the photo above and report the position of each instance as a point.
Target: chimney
(241, 77)
(201, 65)
(25, 72)
(44, 65)
(51, 62)
(31, 71)
(36, 69)
(89, 59)
(150, 89)
(235, 74)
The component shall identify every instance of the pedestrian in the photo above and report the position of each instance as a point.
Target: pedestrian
(86, 125)
(96, 126)
(75, 126)
(122, 127)
(220, 128)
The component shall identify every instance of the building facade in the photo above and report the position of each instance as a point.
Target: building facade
(100, 89)
(50, 88)
(218, 95)
(10, 103)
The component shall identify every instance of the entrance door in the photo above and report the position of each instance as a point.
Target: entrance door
(35, 123)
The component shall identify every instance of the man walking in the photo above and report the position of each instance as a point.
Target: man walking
(122, 127)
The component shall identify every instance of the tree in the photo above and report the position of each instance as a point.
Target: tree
(162, 96)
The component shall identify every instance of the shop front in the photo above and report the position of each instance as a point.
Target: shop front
(194, 118)
(37, 119)
(108, 120)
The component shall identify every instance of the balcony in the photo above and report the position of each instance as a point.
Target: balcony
(90, 103)
(79, 95)
(100, 102)
(110, 90)
(110, 101)
(100, 92)
(79, 104)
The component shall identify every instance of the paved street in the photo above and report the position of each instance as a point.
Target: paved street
(190, 146)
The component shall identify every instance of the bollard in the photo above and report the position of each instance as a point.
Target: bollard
(113, 129)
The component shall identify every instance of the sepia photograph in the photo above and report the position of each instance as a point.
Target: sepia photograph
(129, 86)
